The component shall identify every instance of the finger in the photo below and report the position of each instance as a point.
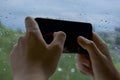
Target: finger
(101, 45)
(98, 60)
(58, 42)
(84, 69)
(13, 49)
(21, 40)
(33, 28)
(95, 54)
(83, 59)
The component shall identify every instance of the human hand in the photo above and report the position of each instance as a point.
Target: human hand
(98, 63)
(32, 58)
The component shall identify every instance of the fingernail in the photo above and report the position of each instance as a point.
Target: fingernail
(27, 20)
(61, 34)
(80, 38)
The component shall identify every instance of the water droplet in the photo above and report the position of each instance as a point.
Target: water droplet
(116, 47)
(59, 69)
(6, 17)
(69, 56)
(72, 70)
(10, 13)
(101, 20)
(105, 20)
(4, 69)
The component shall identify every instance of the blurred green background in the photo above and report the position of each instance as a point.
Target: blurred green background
(66, 69)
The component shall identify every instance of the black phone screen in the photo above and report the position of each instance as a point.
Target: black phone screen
(71, 28)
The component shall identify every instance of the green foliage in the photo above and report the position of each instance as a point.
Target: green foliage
(67, 70)
(118, 39)
(106, 37)
(8, 38)
(117, 65)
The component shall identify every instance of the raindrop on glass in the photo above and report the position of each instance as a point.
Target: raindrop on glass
(4, 69)
(72, 70)
(59, 69)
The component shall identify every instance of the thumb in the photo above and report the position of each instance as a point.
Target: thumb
(58, 41)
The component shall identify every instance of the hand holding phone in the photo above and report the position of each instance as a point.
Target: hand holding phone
(71, 28)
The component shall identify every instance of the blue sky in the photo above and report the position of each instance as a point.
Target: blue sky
(103, 14)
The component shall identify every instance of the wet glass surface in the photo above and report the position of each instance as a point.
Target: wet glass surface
(103, 14)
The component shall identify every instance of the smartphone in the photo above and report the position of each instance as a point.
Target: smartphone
(72, 29)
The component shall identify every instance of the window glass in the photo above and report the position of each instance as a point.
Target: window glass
(103, 14)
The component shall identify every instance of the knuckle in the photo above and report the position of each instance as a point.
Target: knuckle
(21, 38)
(57, 46)
(32, 32)
(90, 43)
(82, 71)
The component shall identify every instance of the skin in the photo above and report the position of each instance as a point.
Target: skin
(33, 59)
(98, 63)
